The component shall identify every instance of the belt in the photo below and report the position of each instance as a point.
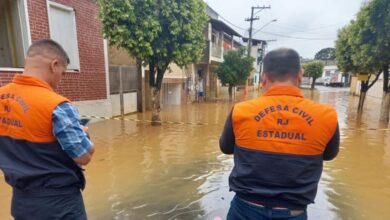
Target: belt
(42, 192)
(292, 212)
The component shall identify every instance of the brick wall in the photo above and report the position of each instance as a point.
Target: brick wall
(90, 82)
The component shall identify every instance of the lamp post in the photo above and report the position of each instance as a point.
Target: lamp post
(257, 31)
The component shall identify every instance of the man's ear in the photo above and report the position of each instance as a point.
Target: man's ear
(54, 64)
(300, 76)
(302, 72)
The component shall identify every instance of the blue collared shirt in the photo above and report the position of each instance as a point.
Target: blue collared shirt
(68, 131)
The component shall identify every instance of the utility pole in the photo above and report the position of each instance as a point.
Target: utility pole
(251, 19)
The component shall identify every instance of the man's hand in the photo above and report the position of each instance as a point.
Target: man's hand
(85, 158)
(85, 128)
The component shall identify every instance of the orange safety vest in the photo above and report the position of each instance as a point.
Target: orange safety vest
(30, 156)
(280, 138)
(27, 105)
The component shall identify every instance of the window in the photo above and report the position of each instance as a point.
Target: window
(62, 22)
(14, 40)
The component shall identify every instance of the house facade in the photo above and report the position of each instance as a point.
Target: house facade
(257, 52)
(181, 85)
(75, 25)
(220, 38)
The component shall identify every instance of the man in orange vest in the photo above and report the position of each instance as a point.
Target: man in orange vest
(279, 142)
(42, 144)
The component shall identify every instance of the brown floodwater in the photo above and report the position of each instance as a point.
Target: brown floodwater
(177, 171)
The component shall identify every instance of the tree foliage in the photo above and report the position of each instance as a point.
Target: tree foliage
(313, 70)
(157, 32)
(344, 52)
(326, 54)
(235, 68)
(364, 46)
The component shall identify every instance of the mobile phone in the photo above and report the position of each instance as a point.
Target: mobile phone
(84, 121)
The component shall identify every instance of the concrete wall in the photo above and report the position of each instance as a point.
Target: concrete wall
(354, 86)
(375, 92)
(130, 103)
(100, 108)
(107, 107)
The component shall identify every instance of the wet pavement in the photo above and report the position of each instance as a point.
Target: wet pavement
(177, 171)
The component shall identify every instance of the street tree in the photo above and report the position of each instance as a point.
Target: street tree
(326, 54)
(355, 52)
(369, 40)
(235, 69)
(376, 45)
(158, 33)
(313, 70)
(345, 63)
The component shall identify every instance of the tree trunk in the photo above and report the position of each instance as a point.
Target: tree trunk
(313, 83)
(362, 97)
(156, 120)
(230, 93)
(385, 107)
(156, 88)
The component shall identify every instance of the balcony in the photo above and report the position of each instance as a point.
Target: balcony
(216, 51)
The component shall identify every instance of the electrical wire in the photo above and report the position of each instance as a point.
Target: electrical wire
(299, 38)
(286, 36)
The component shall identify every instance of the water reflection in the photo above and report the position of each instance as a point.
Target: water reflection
(178, 172)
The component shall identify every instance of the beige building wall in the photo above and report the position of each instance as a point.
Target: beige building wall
(354, 84)
(119, 56)
(175, 72)
(374, 93)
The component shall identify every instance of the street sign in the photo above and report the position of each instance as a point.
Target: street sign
(362, 76)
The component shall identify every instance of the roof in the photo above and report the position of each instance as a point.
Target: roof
(254, 41)
(224, 27)
(237, 43)
(212, 13)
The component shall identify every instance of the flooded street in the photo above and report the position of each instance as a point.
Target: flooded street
(178, 172)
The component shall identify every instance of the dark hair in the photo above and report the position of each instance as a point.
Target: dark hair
(48, 46)
(280, 64)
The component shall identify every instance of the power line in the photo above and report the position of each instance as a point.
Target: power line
(244, 29)
(299, 38)
(285, 36)
(301, 30)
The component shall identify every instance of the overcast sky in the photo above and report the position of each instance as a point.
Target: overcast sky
(305, 25)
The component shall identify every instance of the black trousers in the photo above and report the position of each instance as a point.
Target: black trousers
(59, 207)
